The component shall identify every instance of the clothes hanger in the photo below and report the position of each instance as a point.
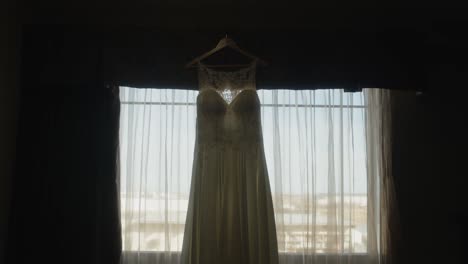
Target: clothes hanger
(222, 44)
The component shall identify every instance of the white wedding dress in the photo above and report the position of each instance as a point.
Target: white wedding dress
(230, 215)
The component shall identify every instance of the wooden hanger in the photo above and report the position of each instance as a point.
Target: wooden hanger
(224, 43)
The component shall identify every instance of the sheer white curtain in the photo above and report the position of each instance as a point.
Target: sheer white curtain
(326, 156)
(157, 135)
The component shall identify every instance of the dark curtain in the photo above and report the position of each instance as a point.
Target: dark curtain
(65, 190)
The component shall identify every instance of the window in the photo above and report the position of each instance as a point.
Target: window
(315, 147)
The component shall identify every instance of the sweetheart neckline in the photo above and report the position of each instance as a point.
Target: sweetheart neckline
(228, 105)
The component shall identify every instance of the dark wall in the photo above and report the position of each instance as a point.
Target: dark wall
(360, 44)
(297, 59)
(9, 68)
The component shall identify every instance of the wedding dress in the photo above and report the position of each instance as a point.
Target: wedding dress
(230, 215)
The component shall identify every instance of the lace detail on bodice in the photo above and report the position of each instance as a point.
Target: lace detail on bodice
(228, 109)
(227, 83)
(236, 125)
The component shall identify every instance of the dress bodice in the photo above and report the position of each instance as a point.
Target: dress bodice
(237, 122)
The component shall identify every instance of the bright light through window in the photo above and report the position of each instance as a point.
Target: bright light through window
(154, 203)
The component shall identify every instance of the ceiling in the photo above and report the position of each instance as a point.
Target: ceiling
(241, 14)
